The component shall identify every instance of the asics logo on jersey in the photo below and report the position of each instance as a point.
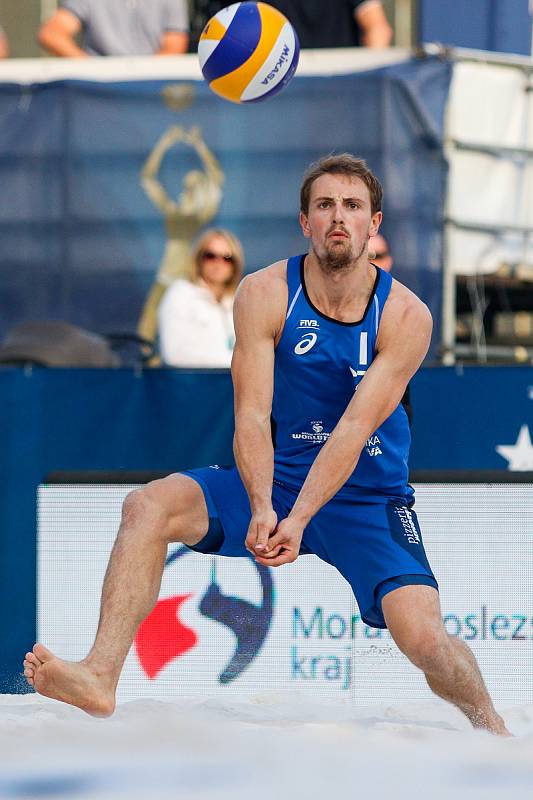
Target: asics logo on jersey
(305, 344)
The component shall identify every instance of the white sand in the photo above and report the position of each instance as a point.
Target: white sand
(283, 745)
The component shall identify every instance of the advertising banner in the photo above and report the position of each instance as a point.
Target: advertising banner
(229, 625)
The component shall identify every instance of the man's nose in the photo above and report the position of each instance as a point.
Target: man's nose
(338, 213)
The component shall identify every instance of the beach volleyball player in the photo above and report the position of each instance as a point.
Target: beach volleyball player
(326, 344)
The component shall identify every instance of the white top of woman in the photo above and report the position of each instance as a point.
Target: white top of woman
(196, 315)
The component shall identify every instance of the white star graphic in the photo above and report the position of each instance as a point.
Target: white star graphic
(519, 455)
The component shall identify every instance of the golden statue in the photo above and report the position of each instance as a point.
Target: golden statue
(197, 204)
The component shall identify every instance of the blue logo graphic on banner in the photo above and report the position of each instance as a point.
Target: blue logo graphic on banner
(163, 637)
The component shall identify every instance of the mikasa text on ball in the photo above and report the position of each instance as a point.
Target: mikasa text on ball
(248, 52)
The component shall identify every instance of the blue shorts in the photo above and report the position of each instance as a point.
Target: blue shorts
(377, 547)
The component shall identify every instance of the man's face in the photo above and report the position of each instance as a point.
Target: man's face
(340, 221)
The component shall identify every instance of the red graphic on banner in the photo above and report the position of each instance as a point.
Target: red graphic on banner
(162, 637)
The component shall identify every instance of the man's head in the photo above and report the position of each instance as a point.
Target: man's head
(340, 204)
(343, 164)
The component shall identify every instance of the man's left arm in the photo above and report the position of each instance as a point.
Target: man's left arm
(175, 38)
(373, 24)
(403, 341)
(4, 46)
(173, 43)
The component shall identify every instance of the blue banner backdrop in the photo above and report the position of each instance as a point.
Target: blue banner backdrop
(499, 25)
(473, 418)
(80, 240)
(165, 420)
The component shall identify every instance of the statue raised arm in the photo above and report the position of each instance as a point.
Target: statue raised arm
(194, 207)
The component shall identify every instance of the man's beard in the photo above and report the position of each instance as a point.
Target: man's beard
(338, 256)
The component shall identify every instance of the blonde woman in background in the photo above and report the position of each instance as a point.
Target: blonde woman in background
(196, 315)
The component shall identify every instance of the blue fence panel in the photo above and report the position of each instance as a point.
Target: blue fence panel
(462, 416)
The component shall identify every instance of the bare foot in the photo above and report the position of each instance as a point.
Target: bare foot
(69, 681)
(501, 730)
(492, 723)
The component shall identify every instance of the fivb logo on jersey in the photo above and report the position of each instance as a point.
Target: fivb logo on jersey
(308, 340)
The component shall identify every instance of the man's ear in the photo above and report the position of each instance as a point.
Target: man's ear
(304, 222)
(375, 222)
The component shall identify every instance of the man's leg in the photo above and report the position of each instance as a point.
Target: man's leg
(169, 510)
(413, 617)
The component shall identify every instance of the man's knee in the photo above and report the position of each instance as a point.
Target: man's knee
(164, 507)
(424, 645)
(413, 616)
(142, 506)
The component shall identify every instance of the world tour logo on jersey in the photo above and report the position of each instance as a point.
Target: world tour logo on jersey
(318, 434)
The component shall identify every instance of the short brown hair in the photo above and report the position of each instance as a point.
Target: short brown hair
(342, 164)
(234, 247)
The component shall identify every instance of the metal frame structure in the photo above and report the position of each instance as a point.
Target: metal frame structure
(521, 157)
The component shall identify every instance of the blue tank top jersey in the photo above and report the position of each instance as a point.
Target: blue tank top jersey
(319, 363)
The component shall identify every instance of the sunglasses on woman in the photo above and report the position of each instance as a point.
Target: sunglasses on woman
(210, 256)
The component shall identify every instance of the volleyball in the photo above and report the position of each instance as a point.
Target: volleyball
(248, 52)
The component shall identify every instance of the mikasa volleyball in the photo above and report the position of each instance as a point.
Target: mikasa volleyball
(248, 52)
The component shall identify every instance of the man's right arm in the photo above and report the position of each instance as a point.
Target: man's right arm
(57, 35)
(258, 312)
